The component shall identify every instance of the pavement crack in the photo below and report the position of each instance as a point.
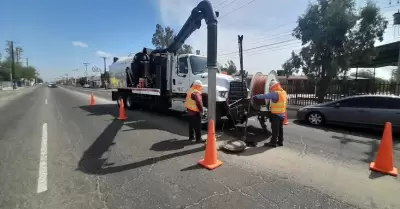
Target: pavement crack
(102, 197)
(303, 152)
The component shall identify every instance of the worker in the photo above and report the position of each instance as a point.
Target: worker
(194, 106)
(278, 103)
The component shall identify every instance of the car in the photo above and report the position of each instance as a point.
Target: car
(52, 85)
(362, 110)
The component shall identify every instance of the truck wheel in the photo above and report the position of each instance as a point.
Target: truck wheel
(118, 100)
(128, 102)
(204, 118)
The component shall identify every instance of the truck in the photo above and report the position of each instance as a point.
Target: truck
(159, 79)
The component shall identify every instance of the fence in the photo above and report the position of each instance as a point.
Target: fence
(305, 93)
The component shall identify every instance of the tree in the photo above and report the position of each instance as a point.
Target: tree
(333, 35)
(163, 37)
(292, 65)
(229, 68)
(21, 71)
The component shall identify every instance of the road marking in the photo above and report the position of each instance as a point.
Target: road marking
(45, 101)
(42, 179)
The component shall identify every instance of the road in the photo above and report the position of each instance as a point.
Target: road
(59, 152)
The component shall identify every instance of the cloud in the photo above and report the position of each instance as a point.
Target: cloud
(79, 44)
(266, 24)
(103, 54)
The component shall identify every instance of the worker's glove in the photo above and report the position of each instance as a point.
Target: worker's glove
(254, 97)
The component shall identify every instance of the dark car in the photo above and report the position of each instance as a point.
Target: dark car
(52, 85)
(370, 110)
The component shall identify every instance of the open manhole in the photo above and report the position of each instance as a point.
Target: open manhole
(234, 145)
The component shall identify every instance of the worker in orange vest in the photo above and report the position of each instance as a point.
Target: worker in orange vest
(194, 106)
(278, 104)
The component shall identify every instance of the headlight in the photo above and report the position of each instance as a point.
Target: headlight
(303, 110)
(223, 94)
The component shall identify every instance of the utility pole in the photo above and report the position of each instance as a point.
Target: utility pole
(240, 43)
(12, 73)
(86, 65)
(104, 75)
(74, 75)
(27, 63)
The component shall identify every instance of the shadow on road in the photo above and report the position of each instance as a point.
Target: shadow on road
(92, 161)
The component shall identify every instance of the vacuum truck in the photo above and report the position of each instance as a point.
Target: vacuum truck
(159, 79)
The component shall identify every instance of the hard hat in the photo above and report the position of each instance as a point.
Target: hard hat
(197, 83)
(273, 83)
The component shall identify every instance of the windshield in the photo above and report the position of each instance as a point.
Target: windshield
(198, 64)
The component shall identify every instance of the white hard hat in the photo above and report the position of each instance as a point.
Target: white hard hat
(273, 83)
(197, 83)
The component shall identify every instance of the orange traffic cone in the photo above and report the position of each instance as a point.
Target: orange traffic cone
(210, 160)
(92, 101)
(384, 159)
(122, 114)
(285, 121)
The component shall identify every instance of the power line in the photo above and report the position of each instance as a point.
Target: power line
(258, 47)
(237, 8)
(221, 3)
(228, 4)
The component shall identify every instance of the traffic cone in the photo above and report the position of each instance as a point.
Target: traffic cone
(210, 160)
(285, 121)
(384, 158)
(122, 114)
(92, 101)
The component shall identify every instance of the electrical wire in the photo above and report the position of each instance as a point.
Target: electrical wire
(244, 5)
(258, 47)
(228, 4)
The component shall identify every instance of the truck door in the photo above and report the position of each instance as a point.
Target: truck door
(181, 82)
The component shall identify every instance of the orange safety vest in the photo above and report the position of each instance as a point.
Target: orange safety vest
(280, 106)
(190, 103)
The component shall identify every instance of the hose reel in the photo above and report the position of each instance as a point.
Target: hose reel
(260, 85)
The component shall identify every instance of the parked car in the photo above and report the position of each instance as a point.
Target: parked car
(86, 86)
(363, 110)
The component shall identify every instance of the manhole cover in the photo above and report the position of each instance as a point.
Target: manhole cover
(234, 145)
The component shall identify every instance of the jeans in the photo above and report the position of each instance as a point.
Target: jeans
(195, 127)
(277, 129)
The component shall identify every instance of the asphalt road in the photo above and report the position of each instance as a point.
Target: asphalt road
(58, 152)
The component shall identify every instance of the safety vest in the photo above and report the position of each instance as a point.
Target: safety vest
(190, 103)
(280, 106)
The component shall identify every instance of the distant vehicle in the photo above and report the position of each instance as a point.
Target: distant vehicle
(86, 86)
(52, 85)
(363, 110)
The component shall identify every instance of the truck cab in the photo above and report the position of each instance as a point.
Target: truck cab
(186, 68)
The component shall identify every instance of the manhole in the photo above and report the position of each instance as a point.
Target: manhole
(234, 145)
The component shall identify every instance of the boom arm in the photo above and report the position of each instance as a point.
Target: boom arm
(203, 10)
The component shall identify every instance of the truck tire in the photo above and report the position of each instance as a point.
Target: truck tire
(128, 102)
(119, 99)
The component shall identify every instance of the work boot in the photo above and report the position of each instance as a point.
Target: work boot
(270, 144)
(280, 143)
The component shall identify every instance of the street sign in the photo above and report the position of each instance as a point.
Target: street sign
(96, 69)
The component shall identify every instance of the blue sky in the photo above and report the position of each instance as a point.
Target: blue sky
(47, 30)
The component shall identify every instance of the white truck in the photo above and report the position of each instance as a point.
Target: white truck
(170, 92)
(159, 79)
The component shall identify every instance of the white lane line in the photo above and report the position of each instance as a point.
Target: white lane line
(42, 179)
(45, 101)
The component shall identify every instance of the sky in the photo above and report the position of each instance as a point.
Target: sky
(59, 36)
